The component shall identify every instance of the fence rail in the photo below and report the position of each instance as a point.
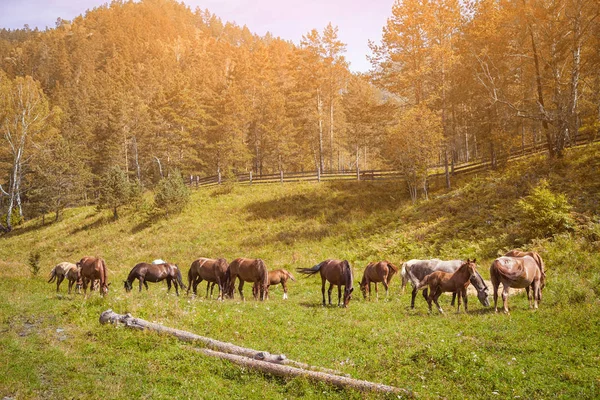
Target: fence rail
(374, 175)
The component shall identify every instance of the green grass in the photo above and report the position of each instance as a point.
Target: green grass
(52, 346)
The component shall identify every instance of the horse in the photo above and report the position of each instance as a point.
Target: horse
(66, 270)
(212, 271)
(336, 272)
(145, 273)
(416, 270)
(541, 266)
(381, 271)
(275, 278)
(517, 272)
(93, 268)
(456, 282)
(249, 270)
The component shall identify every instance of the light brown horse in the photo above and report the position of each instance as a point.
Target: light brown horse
(336, 272)
(275, 278)
(66, 270)
(381, 271)
(215, 271)
(440, 281)
(249, 270)
(540, 263)
(145, 273)
(93, 268)
(517, 272)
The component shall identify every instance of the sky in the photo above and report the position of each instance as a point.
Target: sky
(357, 20)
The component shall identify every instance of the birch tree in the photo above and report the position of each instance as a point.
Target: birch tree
(24, 112)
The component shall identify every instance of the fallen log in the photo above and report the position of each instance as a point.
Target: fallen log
(259, 360)
(137, 323)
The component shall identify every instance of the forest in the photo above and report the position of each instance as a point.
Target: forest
(153, 87)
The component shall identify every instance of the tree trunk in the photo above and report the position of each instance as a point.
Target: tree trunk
(320, 117)
(446, 169)
(262, 361)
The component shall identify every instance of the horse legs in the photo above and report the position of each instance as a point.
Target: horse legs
(59, 281)
(323, 291)
(176, 286)
(168, 285)
(465, 299)
(141, 282)
(241, 288)
(70, 285)
(386, 286)
(376, 291)
(454, 299)
(414, 294)
(339, 294)
(435, 297)
(495, 289)
(529, 294)
(536, 293)
(329, 292)
(505, 298)
(285, 296)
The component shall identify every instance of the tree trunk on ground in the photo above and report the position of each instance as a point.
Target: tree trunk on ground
(261, 361)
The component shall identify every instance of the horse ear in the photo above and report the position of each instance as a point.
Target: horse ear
(474, 260)
(108, 285)
(351, 290)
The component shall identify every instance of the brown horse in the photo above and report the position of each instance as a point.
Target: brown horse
(93, 268)
(249, 270)
(517, 272)
(440, 281)
(337, 272)
(215, 271)
(275, 278)
(66, 270)
(381, 271)
(145, 273)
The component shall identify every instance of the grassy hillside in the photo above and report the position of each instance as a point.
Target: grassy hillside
(52, 346)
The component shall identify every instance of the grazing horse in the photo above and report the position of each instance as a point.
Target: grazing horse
(66, 270)
(210, 270)
(382, 271)
(145, 272)
(540, 263)
(93, 268)
(457, 282)
(416, 270)
(275, 278)
(517, 272)
(249, 270)
(337, 272)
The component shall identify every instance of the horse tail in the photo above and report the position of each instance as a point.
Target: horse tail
(52, 275)
(264, 272)
(313, 270)
(180, 280)
(498, 271)
(424, 282)
(104, 272)
(289, 275)
(191, 274)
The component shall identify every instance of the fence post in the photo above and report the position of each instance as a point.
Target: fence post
(219, 176)
(281, 176)
(318, 174)
(251, 177)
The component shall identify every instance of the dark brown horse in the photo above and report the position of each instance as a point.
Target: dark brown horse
(381, 271)
(517, 272)
(249, 270)
(275, 278)
(145, 273)
(215, 271)
(336, 272)
(440, 281)
(93, 268)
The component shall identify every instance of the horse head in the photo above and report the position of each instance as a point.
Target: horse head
(128, 286)
(104, 289)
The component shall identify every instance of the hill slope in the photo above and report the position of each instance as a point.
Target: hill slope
(48, 339)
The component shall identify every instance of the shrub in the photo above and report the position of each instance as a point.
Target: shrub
(116, 191)
(171, 193)
(34, 262)
(544, 213)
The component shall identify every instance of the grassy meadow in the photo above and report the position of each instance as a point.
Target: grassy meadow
(52, 346)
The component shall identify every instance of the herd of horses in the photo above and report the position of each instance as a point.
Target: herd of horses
(516, 269)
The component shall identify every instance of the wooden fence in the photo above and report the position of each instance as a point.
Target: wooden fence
(374, 175)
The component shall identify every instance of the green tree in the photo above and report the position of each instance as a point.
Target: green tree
(172, 194)
(115, 190)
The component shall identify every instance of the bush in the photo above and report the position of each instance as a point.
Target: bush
(116, 191)
(171, 193)
(34, 262)
(544, 213)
